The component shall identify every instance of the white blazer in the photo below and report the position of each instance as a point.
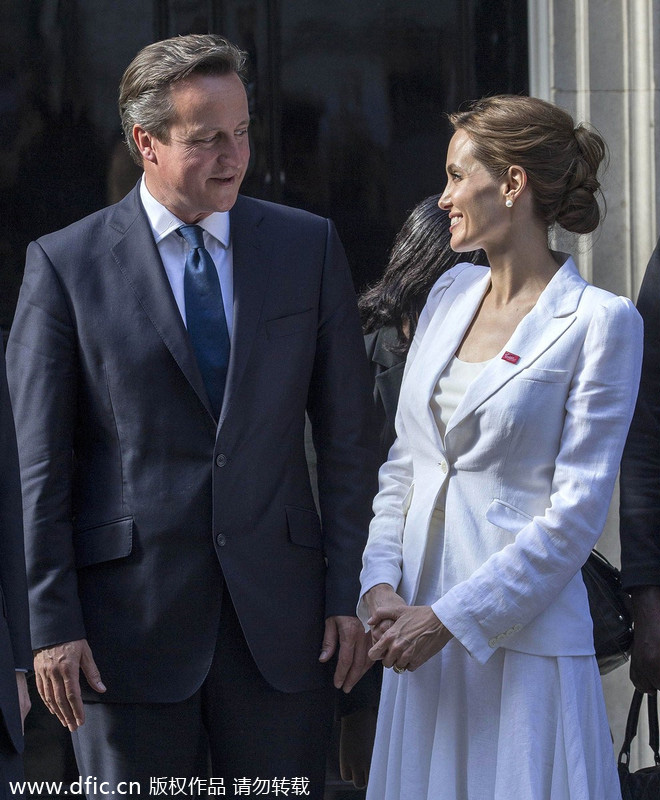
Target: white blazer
(529, 460)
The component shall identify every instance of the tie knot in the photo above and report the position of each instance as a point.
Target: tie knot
(192, 234)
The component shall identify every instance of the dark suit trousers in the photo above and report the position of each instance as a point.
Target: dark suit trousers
(254, 734)
(11, 768)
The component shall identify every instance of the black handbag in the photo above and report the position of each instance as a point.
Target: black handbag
(644, 784)
(611, 612)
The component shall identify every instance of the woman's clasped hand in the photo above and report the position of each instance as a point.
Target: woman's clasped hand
(406, 636)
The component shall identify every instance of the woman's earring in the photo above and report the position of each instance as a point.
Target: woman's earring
(509, 203)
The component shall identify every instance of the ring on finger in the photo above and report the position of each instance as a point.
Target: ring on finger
(398, 670)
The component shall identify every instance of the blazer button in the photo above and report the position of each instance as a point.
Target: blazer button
(221, 540)
(444, 467)
(221, 460)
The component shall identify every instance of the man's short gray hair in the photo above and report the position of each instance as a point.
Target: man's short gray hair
(144, 92)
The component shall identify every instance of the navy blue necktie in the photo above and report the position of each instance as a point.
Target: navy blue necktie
(205, 315)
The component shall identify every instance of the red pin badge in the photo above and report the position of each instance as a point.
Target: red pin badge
(512, 358)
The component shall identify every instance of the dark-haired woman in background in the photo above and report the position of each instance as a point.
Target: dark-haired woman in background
(517, 395)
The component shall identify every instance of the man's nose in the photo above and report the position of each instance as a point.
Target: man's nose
(229, 150)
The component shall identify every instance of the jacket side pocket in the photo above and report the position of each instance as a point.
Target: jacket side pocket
(106, 542)
(304, 527)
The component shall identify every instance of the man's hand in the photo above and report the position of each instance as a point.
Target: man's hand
(57, 672)
(354, 643)
(415, 636)
(645, 657)
(23, 697)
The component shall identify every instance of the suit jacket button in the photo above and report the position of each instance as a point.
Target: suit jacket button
(221, 540)
(221, 460)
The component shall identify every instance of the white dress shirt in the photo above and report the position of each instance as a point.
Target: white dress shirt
(174, 248)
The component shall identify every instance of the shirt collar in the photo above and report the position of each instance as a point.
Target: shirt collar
(163, 222)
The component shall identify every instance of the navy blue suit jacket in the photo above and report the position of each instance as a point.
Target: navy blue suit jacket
(15, 652)
(138, 503)
(640, 466)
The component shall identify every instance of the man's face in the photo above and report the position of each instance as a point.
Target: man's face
(201, 168)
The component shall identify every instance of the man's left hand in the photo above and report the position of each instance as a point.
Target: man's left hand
(354, 643)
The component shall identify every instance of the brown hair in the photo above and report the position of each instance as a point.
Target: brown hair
(560, 159)
(144, 91)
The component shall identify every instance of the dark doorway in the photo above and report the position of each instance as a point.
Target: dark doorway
(348, 101)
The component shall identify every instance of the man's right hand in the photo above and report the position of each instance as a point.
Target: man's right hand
(645, 657)
(57, 672)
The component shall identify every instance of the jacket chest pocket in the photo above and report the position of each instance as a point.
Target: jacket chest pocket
(289, 325)
(539, 375)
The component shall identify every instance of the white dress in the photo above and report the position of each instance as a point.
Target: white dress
(520, 727)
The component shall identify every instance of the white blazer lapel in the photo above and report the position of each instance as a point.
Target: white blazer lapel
(442, 338)
(550, 318)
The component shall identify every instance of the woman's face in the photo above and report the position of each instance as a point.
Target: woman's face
(478, 216)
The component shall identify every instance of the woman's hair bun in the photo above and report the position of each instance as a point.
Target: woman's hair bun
(579, 210)
(561, 161)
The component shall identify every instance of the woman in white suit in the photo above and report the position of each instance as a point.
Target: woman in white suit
(517, 396)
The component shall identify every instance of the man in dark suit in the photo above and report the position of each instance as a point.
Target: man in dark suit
(15, 652)
(640, 495)
(162, 358)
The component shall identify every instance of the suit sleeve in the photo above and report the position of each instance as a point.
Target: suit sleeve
(640, 467)
(520, 581)
(339, 406)
(12, 558)
(42, 371)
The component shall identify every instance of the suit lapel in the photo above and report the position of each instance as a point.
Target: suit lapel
(550, 318)
(387, 366)
(137, 256)
(251, 269)
(388, 384)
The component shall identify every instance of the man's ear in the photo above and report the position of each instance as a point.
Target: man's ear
(145, 144)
